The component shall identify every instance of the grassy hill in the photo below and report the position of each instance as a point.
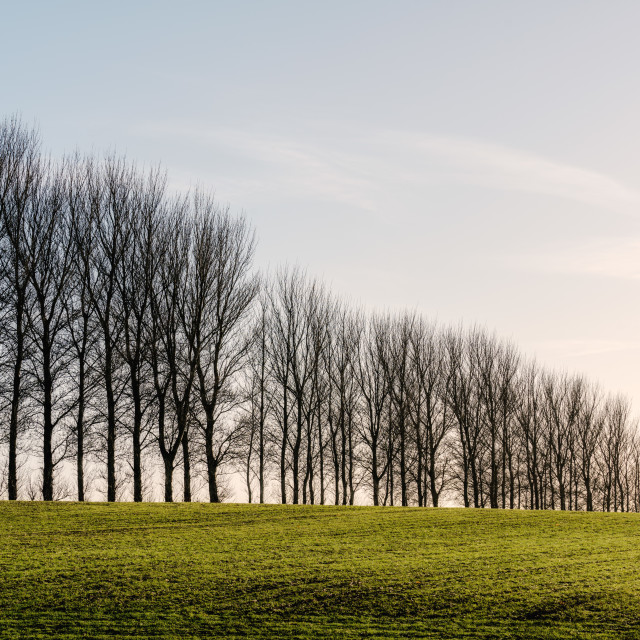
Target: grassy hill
(196, 571)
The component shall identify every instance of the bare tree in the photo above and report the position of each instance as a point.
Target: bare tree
(134, 278)
(591, 426)
(104, 243)
(258, 400)
(297, 336)
(49, 260)
(345, 331)
(397, 369)
(614, 449)
(83, 334)
(462, 398)
(563, 396)
(223, 290)
(20, 172)
(172, 345)
(285, 295)
(374, 393)
(430, 413)
(531, 427)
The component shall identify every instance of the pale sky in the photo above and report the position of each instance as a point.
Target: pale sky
(477, 161)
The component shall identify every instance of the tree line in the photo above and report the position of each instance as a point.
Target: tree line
(137, 342)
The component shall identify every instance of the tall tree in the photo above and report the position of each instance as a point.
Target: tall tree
(49, 259)
(259, 399)
(223, 289)
(135, 276)
(374, 393)
(430, 412)
(80, 317)
(397, 370)
(104, 244)
(172, 346)
(20, 174)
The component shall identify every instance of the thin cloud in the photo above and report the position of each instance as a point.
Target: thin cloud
(366, 168)
(282, 166)
(498, 167)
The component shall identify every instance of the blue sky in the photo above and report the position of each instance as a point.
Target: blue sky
(476, 161)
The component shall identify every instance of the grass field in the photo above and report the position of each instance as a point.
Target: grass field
(207, 571)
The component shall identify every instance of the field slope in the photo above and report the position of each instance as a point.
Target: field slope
(206, 571)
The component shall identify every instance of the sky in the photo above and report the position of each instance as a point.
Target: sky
(476, 161)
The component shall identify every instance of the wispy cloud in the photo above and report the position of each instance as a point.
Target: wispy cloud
(277, 165)
(498, 167)
(361, 167)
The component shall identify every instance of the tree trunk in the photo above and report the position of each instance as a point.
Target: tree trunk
(352, 491)
(403, 463)
(261, 450)
(375, 481)
(186, 467)
(283, 449)
(168, 478)
(111, 421)
(47, 454)
(15, 402)
(296, 453)
(321, 453)
(212, 464)
(80, 429)
(343, 458)
(137, 430)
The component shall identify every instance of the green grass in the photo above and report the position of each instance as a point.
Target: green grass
(206, 571)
